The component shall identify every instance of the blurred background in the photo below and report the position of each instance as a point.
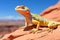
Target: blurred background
(10, 20)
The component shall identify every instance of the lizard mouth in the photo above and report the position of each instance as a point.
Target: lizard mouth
(21, 8)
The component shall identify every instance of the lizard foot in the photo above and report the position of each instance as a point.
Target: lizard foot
(50, 30)
(34, 30)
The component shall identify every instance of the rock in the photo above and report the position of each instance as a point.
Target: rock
(51, 13)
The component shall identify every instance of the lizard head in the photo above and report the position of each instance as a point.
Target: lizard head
(22, 10)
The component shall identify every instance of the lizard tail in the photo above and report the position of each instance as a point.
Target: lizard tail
(58, 23)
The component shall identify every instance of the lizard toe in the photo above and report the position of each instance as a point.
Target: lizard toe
(34, 30)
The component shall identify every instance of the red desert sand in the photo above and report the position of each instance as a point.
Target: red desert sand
(51, 13)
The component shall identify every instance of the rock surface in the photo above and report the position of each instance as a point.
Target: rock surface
(8, 26)
(51, 13)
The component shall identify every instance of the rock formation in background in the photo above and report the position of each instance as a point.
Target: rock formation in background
(52, 12)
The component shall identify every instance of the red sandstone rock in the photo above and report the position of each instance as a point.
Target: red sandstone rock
(51, 13)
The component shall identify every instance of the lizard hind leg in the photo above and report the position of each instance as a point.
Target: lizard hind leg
(50, 30)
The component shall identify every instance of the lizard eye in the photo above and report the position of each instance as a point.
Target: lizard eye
(22, 7)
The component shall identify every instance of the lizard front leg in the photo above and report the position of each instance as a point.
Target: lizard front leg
(37, 28)
(50, 28)
(26, 23)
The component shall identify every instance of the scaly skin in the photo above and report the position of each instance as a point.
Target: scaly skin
(35, 19)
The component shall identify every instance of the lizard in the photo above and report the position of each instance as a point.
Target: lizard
(38, 20)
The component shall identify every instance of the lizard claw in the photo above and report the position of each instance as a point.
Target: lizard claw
(50, 30)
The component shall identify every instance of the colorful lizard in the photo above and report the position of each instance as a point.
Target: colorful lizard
(35, 19)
